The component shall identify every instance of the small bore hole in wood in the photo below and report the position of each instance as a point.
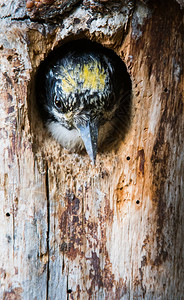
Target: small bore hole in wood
(8, 214)
(128, 158)
(137, 201)
(165, 90)
(69, 291)
(9, 58)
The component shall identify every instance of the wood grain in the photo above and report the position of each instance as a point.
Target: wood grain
(114, 231)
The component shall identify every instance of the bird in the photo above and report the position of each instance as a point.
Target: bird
(79, 92)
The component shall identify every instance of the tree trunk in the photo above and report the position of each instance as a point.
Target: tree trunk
(70, 230)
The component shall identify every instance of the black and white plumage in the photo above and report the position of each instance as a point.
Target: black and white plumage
(79, 91)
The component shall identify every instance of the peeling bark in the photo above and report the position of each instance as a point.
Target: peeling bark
(70, 230)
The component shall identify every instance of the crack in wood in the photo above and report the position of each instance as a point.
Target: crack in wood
(48, 228)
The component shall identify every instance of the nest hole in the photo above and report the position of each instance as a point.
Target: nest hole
(119, 124)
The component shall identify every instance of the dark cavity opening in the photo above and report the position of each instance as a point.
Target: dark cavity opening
(118, 125)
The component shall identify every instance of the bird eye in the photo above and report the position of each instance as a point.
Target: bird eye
(58, 103)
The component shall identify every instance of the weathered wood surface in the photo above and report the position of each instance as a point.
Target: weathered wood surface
(70, 230)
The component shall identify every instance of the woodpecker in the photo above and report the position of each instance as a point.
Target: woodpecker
(79, 91)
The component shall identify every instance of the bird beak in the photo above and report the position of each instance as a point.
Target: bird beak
(89, 134)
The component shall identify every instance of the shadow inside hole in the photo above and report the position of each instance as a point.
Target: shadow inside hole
(119, 124)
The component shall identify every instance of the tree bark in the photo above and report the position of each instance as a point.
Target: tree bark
(70, 230)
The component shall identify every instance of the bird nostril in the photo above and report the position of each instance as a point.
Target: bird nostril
(69, 115)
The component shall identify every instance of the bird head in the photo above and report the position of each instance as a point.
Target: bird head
(80, 95)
